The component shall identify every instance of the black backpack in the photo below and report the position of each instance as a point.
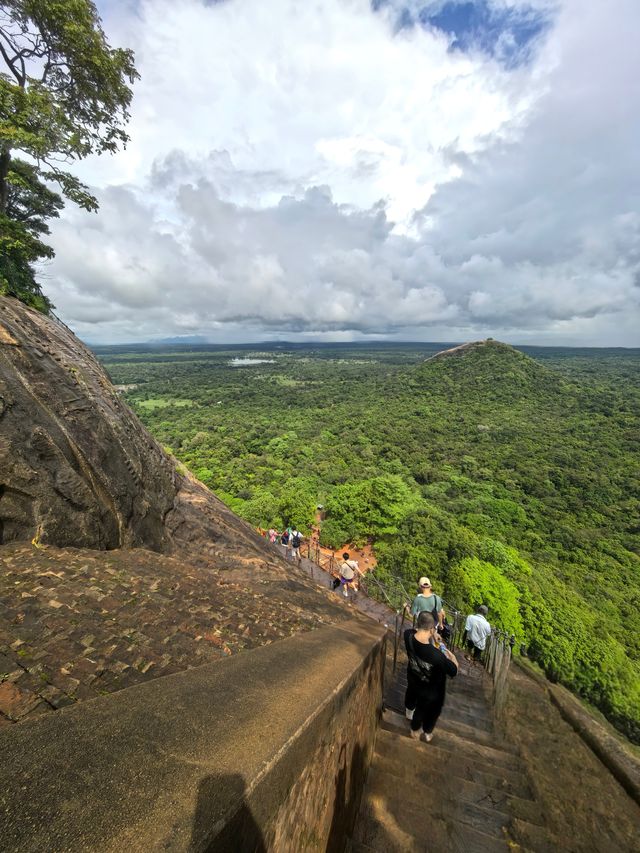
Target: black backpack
(420, 668)
(295, 542)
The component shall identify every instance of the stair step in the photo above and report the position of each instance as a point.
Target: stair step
(534, 838)
(444, 796)
(383, 830)
(431, 763)
(466, 839)
(462, 730)
(466, 732)
(457, 715)
(436, 790)
(392, 826)
(359, 847)
(473, 702)
(444, 739)
(410, 815)
(471, 698)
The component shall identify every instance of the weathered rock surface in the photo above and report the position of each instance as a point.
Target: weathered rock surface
(76, 465)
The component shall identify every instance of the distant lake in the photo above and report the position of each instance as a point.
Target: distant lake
(248, 362)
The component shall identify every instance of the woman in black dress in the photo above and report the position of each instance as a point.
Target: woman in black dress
(427, 673)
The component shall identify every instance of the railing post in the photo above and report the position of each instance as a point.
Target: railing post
(395, 644)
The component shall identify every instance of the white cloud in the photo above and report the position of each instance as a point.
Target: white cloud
(306, 168)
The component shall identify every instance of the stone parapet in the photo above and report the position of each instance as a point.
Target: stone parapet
(264, 751)
(616, 758)
(619, 760)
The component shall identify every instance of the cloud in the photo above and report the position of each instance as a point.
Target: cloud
(309, 169)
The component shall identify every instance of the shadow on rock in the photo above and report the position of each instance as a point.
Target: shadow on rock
(240, 833)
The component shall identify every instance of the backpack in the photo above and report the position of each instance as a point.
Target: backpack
(435, 610)
(296, 541)
(420, 668)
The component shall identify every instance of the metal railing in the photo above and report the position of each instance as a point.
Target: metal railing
(391, 593)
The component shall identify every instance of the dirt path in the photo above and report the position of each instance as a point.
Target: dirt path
(365, 556)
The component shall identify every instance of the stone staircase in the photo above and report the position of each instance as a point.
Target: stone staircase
(467, 790)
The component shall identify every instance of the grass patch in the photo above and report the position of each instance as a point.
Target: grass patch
(154, 403)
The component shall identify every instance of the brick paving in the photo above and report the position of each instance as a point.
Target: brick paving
(77, 623)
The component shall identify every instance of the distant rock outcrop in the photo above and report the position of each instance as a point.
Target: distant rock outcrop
(77, 468)
(462, 349)
(488, 371)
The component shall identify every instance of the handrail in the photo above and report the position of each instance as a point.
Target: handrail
(395, 593)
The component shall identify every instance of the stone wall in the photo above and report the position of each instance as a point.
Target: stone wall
(264, 751)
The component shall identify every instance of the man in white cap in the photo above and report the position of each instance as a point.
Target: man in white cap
(427, 600)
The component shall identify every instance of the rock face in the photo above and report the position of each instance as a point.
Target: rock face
(77, 468)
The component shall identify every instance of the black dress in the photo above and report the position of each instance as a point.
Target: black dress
(427, 673)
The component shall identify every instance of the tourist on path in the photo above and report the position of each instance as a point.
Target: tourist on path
(427, 672)
(284, 541)
(289, 545)
(427, 600)
(477, 629)
(296, 541)
(349, 570)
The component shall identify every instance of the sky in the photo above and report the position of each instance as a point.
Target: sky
(440, 170)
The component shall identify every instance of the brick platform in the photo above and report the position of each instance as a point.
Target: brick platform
(76, 624)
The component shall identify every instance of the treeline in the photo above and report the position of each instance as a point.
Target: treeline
(508, 480)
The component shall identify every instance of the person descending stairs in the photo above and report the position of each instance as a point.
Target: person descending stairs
(467, 790)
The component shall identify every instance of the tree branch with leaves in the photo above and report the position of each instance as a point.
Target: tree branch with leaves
(64, 94)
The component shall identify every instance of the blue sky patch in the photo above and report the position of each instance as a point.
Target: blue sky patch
(506, 33)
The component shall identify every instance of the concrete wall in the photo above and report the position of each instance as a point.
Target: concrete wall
(267, 750)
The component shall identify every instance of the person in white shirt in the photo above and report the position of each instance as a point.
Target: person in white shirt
(349, 571)
(477, 629)
(295, 540)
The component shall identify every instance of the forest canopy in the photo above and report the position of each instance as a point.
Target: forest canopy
(506, 479)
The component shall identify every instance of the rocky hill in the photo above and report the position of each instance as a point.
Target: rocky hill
(496, 370)
(115, 565)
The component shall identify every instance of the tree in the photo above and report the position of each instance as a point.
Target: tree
(30, 203)
(472, 582)
(64, 94)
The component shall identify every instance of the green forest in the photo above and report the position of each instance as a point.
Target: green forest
(508, 477)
